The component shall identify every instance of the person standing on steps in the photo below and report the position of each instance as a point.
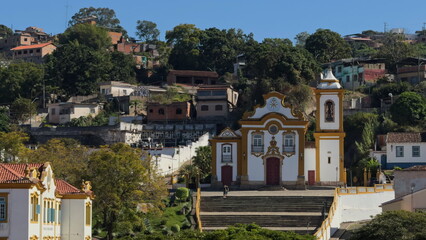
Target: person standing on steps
(225, 191)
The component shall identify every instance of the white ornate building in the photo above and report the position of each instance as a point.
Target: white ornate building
(36, 206)
(269, 148)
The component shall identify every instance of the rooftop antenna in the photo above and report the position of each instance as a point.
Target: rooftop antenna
(385, 27)
(66, 14)
(423, 28)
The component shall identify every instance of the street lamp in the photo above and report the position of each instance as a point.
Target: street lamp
(413, 185)
(391, 97)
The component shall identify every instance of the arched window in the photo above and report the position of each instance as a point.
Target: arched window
(179, 111)
(161, 111)
(226, 153)
(329, 111)
(289, 142)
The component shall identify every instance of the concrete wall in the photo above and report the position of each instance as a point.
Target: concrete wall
(219, 162)
(73, 219)
(18, 219)
(404, 180)
(408, 203)
(329, 149)
(176, 157)
(211, 112)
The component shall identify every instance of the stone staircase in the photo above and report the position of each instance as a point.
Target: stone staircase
(301, 214)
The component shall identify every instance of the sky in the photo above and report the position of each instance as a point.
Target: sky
(263, 18)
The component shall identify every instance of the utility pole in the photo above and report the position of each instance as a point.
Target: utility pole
(385, 27)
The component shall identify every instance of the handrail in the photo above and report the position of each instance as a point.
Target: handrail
(323, 229)
(197, 210)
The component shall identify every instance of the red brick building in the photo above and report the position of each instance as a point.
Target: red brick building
(176, 111)
(190, 77)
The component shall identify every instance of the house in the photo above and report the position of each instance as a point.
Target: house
(29, 36)
(190, 77)
(410, 190)
(412, 74)
(405, 150)
(61, 113)
(36, 205)
(116, 88)
(353, 73)
(33, 53)
(175, 111)
(269, 148)
(215, 101)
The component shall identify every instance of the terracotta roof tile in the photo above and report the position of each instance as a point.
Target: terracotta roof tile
(15, 173)
(65, 188)
(31, 46)
(403, 137)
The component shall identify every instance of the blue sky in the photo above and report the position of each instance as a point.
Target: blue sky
(264, 18)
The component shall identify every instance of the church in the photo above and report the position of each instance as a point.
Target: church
(269, 148)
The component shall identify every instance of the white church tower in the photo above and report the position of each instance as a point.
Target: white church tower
(329, 134)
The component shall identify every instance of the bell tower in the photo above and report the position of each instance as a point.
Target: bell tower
(329, 134)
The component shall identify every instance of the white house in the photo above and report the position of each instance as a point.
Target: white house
(405, 150)
(269, 148)
(34, 205)
(116, 88)
(61, 113)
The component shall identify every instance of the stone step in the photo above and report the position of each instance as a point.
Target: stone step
(299, 230)
(264, 221)
(261, 213)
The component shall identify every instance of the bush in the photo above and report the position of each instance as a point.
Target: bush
(182, 193)
(175, 228)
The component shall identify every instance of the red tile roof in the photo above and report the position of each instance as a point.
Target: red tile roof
(404, 137)
(65, 188)
(31, 46)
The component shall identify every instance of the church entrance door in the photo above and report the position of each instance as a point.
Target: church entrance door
(273, 171)
(226, 175)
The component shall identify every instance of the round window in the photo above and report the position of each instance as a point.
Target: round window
(273, 129)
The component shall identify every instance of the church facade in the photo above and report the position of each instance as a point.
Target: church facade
(269, 148)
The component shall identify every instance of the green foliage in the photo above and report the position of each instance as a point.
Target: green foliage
(394, 49)
(382, 91)
(301, 39)
(122, 68)
(326, 45)
(104, 18)
(367, 138)
(101, 119)
(12, 146)
(4, 120)
(175, 228)
(22, 109)
(409, 109)
(120, 166)
(89, 35)
(173, 94)
(147, 31)
(5, 31)
(393, 225)
(202, 160)
(20, 80)
(362, 50)
(182, 193)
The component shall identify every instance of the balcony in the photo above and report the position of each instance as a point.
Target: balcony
(257, 148)
(289, 149)
(226, 158)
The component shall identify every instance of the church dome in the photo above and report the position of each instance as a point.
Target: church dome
(329, 81)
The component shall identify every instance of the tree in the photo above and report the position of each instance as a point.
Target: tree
(21, 80)
(202, 160)
(409, 109)
(64, 69)
(122, 68)
(4, 119)
(86, 34)
(68, 156)
(326, 45)
(5, 31)
(119, 179)
(12, 146)
(147, 31)
(301, 39)
(393, 225)
(22, 109)
(185, 39)
(394, 49)
(104, 17)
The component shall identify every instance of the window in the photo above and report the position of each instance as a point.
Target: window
(339, 69)
(25, 39)
(151, 110)
(53, 111)
(31, 51)
(124, 92)
(289, 142)
(59, 213)
(226, 153)
(218, 107)
(88, 213)
(416, 151)
(204, 108)
(329, 160)
(25, 52)
(161, 111)
(348, 79)
(257, 143)
(35, 207)
(273, 129)
(38, 50)
(92, 110)
(399, 151)
(103, 91)
(329, 111)
(179, 111)
(3, 207)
